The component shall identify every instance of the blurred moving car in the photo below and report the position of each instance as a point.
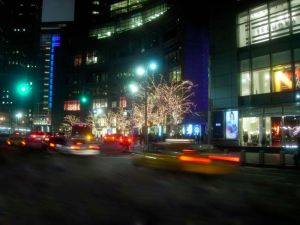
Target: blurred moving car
(189, 160)
(76, 148)
(16, 139)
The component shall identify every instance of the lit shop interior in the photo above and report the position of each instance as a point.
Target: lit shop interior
(269, 128)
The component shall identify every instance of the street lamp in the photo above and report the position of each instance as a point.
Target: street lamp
(144, 72)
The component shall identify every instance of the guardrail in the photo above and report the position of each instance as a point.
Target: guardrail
(263, 158)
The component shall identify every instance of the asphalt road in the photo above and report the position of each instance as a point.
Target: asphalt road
(42, 188)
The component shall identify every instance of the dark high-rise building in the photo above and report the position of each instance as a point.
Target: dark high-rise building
(124, 35)
(19, 43)
(254, 70)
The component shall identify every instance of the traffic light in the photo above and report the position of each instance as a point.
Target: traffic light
(23, 89)
(83, 99)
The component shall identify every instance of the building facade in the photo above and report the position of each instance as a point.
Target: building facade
(133, 33)
(254, 94)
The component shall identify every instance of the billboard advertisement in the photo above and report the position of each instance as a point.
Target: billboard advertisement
(232, 119)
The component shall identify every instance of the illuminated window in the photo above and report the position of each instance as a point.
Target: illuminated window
(261, 81)
(99, 103)
(95, 2)
(175, 74)
(123, 102)
(91, 58)
(245, 83)
(130, 23)
(264, 23)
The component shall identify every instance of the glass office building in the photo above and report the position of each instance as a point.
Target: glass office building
(265, 92)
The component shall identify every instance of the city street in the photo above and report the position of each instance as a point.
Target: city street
(43, 188)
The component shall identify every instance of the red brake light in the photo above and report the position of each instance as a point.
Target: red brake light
(129, 140)
(33, 136)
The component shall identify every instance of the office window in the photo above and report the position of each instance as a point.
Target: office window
(245, 83)
(261, 81)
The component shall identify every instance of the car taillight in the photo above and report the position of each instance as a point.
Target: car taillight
(235, 159)
(94, 147)
(52, 145)
(33, 136)
(75, 147)
(121, 139)
(129, 140)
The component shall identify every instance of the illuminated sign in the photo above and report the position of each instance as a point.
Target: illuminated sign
(232, 118)
(73, 105)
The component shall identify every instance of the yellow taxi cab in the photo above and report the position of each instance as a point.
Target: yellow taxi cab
(189, 160)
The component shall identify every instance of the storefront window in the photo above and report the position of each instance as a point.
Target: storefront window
(261, 81)
(276, 131)
(245, 83)
(291, 129)
(250, 131)
(282, 78)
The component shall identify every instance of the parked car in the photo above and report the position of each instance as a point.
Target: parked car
(72, 148)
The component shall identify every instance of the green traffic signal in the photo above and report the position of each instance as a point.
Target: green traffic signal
(23, 89)
(84, 99)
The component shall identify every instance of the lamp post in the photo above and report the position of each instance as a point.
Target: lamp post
(144, 72)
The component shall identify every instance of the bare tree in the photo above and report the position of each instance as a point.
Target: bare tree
(167, 102)
(68, 122)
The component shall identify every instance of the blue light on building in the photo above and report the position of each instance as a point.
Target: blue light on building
(55, 42)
